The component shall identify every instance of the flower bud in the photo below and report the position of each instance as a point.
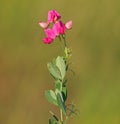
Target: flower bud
(68, 25)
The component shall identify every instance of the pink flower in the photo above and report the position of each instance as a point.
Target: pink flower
(59, 28)
(50, 33)
(43, 24)
(50, 36)
(47, 40)
(68, 25)
(53, 16)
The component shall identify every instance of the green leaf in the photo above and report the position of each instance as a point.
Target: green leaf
(58, 85)
(51, 97)
(61, 103)
(52, 121)
(54, 71)
(61, 88)
(60, 63)
(64, 83)
(64, 93)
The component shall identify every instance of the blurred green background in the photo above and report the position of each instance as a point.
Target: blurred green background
(95, 41)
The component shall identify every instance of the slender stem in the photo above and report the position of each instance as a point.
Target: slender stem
(64, 40)
(61, 115)
(63, 43)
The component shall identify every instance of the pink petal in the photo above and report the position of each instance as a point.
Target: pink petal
(68, 25)
(43, 24)
(50, 33)
(47, 40)
(53, 16)
(59, 28)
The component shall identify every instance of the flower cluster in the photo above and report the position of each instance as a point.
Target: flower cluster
(58, 27)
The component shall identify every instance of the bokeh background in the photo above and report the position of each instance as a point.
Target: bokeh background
(95, 42)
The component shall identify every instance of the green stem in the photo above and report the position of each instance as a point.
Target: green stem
(64, 41)
(61, 115)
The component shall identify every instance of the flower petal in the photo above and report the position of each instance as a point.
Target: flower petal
(59, 28)
(53, 16)
(50, 33)
(47, 40)
(68, 25)
(43, 24)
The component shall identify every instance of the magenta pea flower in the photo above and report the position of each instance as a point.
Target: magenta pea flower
(59, 28)
(53, 16)
(50, 36)
(47, 40)
(50, 33)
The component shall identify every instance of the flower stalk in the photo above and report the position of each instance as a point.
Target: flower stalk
(59, 66)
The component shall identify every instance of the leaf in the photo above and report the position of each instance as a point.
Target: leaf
(64, 93)
(65, 82)
(58, 85)
(61, 103)
(60, 63)
(54, 71)
(51, 97)
(52, 121)
(61, 88)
